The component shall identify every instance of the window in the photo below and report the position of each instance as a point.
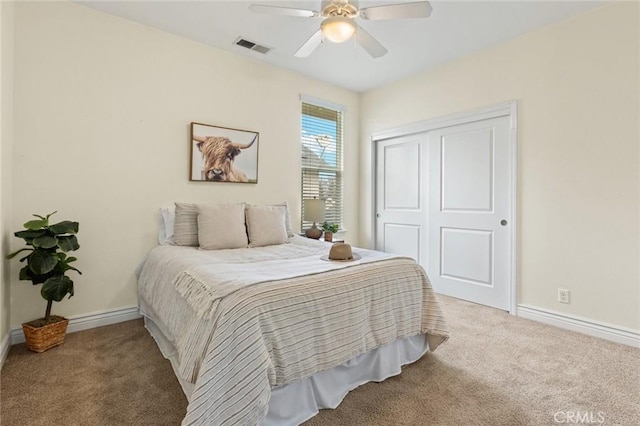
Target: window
(321, 150)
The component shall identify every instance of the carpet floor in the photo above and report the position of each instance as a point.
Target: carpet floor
(495, 370)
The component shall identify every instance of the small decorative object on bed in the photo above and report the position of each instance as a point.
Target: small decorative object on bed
(47, 264)
(329, 229)
(314, 212)
(220, 154)
(340, 252)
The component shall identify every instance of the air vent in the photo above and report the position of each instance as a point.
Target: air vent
(240, 41)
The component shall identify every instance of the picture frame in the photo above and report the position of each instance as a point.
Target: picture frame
(223, 154)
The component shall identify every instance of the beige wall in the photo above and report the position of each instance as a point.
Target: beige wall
(577, 87)
(6, 142)
(102, 113)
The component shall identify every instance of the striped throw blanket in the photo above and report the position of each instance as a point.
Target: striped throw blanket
(244, 321)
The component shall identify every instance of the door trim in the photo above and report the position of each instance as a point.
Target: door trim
(499, 110)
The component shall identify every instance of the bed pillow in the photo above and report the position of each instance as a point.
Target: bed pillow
(221, 226)
(165, 225)
(266, 225)
(169, 216)
(185, 229)
(287, 219)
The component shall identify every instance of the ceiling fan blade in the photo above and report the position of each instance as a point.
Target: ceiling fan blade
(421, 9)
(370, 44)
(310, 45)
(286, 11)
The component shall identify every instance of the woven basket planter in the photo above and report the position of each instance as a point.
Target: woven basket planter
(40, 339)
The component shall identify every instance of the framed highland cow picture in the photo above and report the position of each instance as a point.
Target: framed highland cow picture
(221, 154)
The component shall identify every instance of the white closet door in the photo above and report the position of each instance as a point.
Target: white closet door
(401, 207)
(470, 211)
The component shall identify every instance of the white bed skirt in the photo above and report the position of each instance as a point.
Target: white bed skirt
(294, 403)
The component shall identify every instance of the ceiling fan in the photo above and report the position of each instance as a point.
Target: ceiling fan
(338, 24)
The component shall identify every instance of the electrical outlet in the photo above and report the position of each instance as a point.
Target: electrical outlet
(563, 295)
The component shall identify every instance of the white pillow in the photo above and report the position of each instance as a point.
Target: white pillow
(221, 226)
(266, 225)
(165, 228)
(287, 219)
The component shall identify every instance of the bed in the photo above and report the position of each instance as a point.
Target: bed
(269, 335)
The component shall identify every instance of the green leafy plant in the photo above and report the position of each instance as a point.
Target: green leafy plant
(47, 261)
(330, 227)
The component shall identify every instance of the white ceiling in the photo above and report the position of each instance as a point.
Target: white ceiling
(455, 29)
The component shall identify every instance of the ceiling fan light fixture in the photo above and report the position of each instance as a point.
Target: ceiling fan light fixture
(338, 28)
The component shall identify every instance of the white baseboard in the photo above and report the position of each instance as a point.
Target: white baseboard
(614, 333)
(4, 348)
(87, 321)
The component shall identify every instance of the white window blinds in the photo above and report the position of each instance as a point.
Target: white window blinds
(321, 148)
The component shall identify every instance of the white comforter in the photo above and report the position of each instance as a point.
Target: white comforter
(246, 320)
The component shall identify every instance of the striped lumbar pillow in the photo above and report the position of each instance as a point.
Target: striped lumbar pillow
(185, 228)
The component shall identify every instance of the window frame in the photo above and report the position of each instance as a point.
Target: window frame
(310, 188)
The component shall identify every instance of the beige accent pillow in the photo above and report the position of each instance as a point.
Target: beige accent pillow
(185, 228)
(266, 225)
(221, 226)
(287, 218)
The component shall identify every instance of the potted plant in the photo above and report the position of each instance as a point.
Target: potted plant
(47, 264)
(329, 229)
